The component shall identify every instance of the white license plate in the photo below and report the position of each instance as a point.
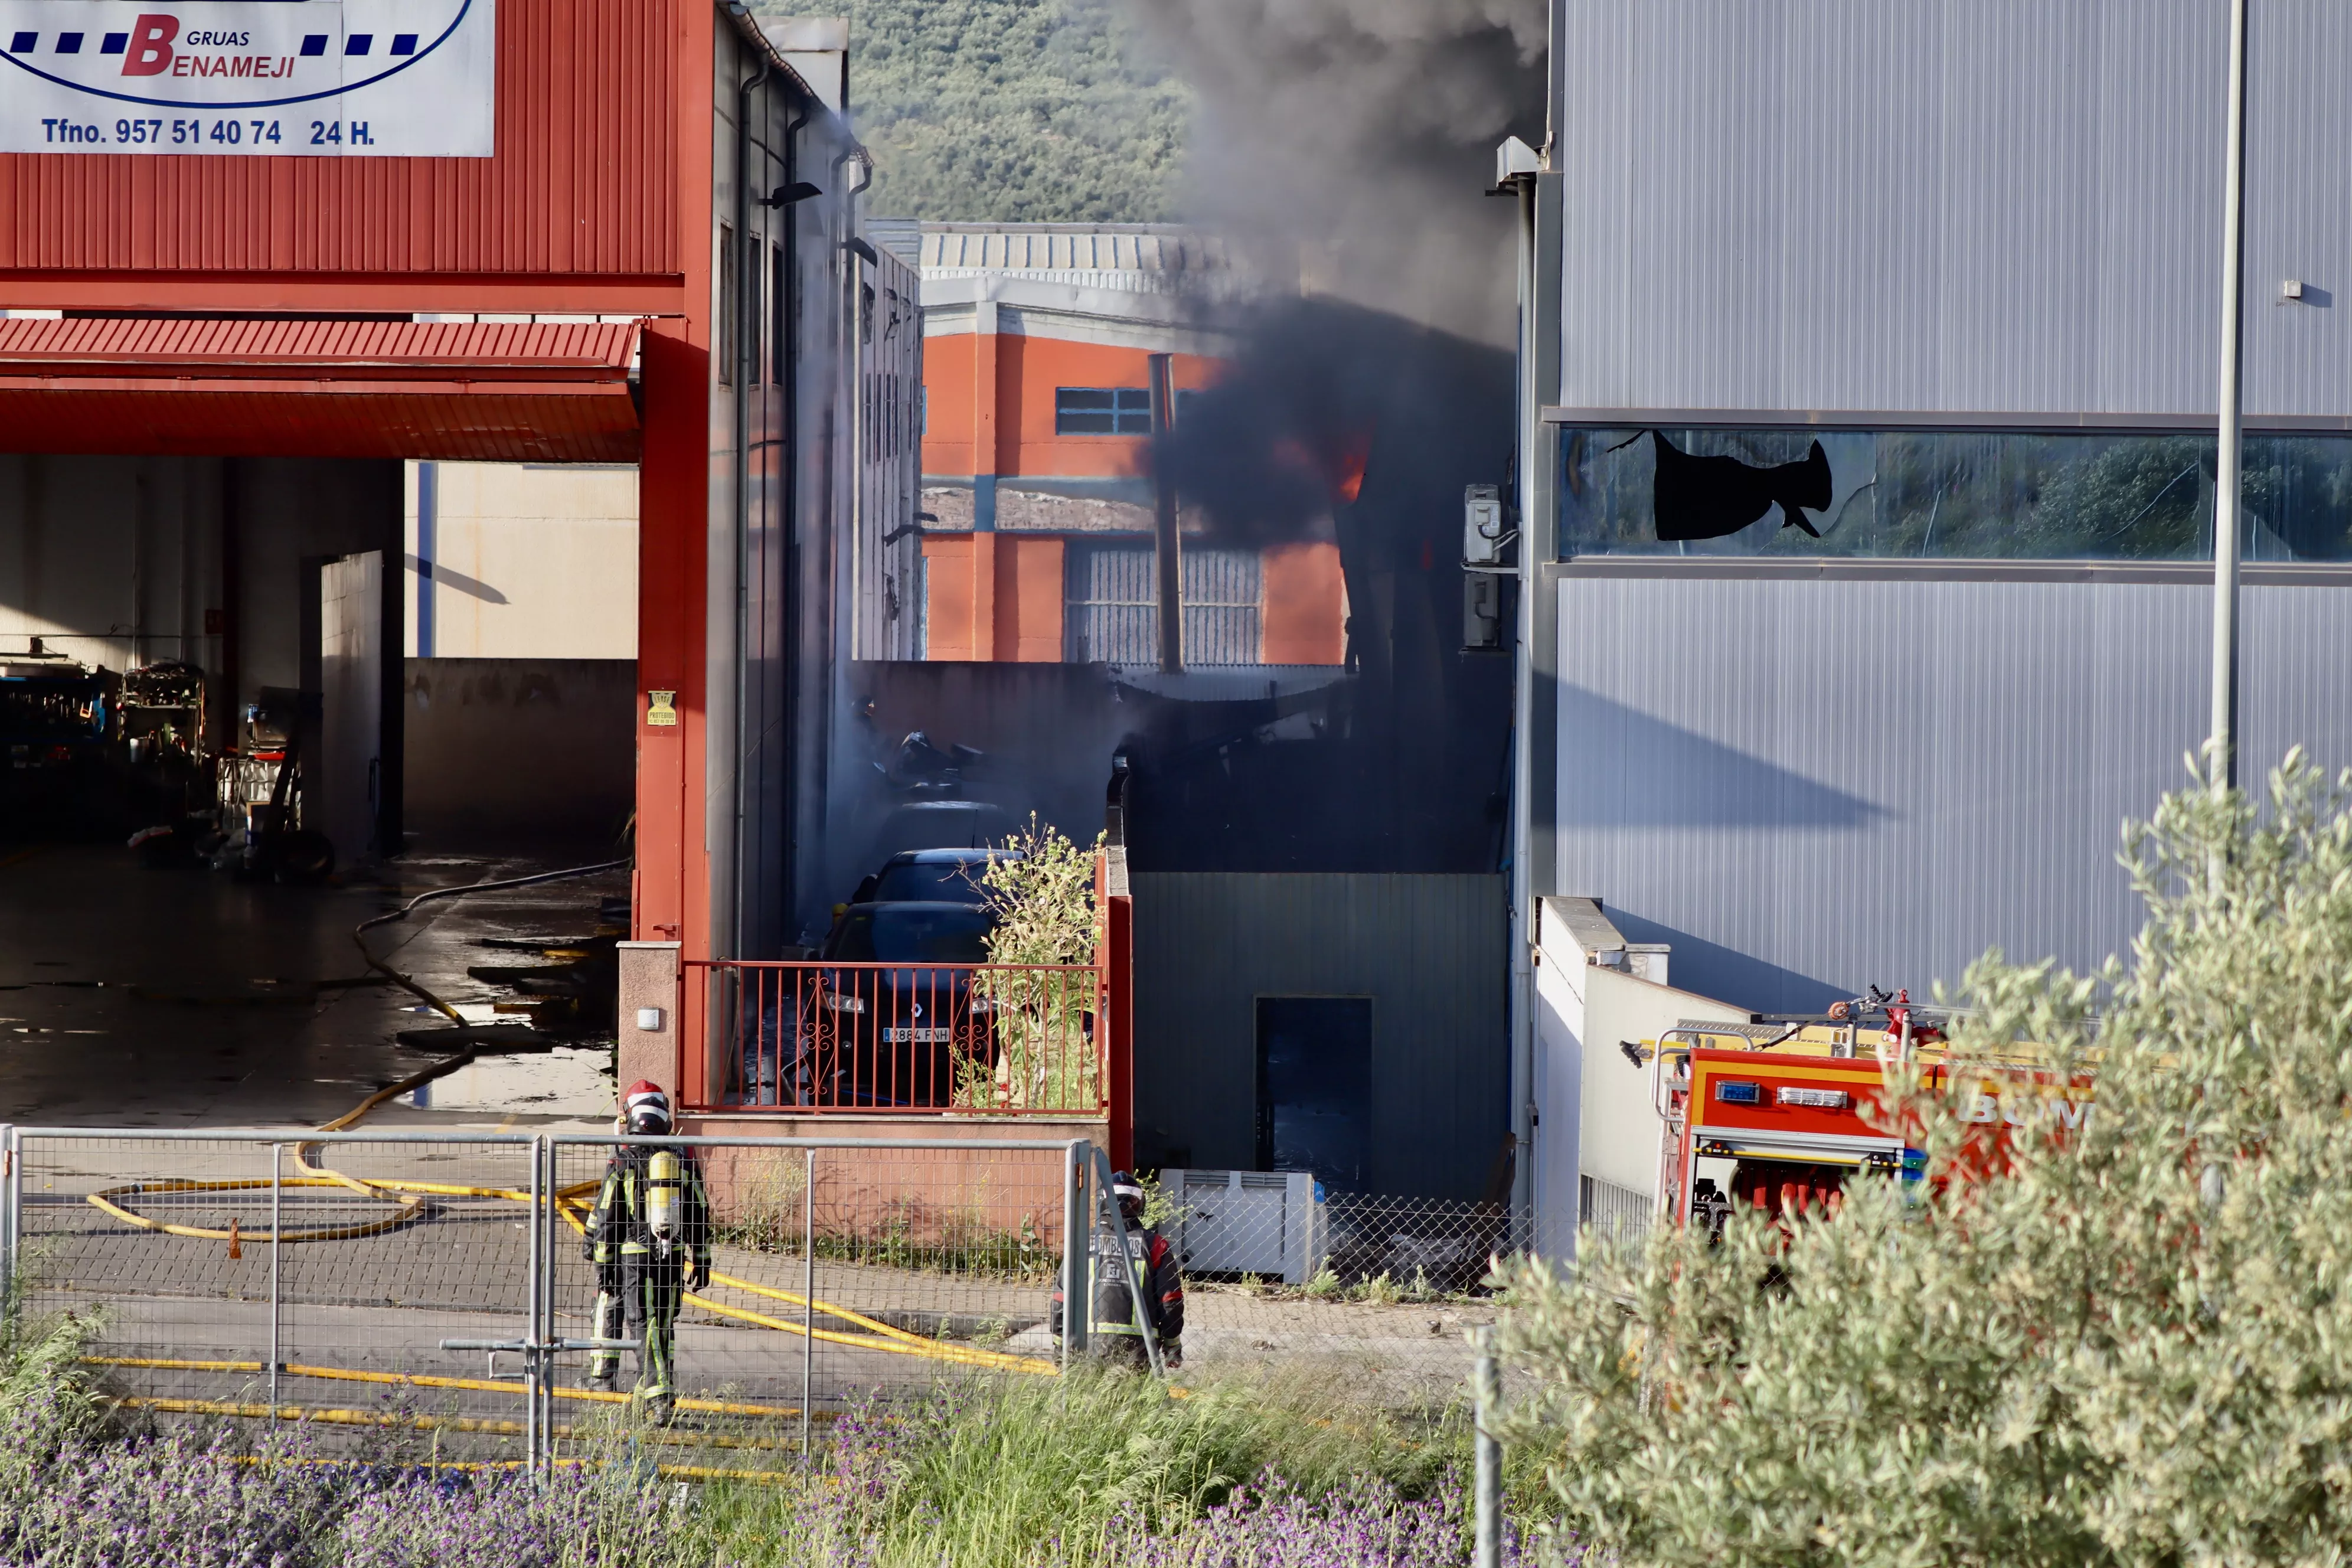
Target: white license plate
(933, 1037)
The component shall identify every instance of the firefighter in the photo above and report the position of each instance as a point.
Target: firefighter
(650, 1241)
(1148, 1272)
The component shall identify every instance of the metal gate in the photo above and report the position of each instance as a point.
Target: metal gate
(285, 1279)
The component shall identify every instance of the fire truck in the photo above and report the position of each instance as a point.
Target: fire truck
(1779, 1115)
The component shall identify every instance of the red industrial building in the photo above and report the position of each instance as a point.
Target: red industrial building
(629, 234)
(1037, 339)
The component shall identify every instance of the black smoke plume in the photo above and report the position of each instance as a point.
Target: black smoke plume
(1342, 423)
(1356, 138)
(1331, 414)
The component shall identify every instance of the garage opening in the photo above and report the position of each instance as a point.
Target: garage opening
(249, 702)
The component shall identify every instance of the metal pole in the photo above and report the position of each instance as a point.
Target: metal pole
(1168, 543)
(531, 1361)
(808, 1302)
(1487, 1387)
(1076, 1288)
(276, 1260)
(544, 1158)
(10, 1164)
(1521, 928)
(2224, 739)
(1126, 1261)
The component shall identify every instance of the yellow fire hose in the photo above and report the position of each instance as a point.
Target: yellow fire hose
(410, 1200)
(410, 1380)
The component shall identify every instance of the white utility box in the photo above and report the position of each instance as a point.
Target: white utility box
(1267, 1223)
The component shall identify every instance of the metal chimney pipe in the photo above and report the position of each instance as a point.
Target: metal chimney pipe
(1169, 546)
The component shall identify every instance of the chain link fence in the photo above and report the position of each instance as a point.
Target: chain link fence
(1376, 1291)
(397, 1285)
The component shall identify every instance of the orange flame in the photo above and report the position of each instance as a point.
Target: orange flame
(1347, 471)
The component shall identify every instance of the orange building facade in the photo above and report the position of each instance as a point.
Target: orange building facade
(1037, 501)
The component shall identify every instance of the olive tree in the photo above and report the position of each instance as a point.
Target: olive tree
(2131, 1345)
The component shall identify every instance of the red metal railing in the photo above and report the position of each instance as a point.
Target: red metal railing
(827, 1038)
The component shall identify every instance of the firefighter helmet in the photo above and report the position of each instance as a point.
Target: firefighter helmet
(1129, 1193)
(646, 1108)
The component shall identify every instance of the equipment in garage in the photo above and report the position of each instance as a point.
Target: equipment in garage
(163, 741)
(261, 798)
(61, 724)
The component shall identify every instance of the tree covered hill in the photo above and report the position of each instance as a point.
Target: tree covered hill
(1012, 110)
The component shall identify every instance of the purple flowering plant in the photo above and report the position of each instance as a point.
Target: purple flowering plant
(1086, 1472)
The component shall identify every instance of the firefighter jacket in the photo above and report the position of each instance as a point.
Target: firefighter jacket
(1151, 1274)
(653, 1209)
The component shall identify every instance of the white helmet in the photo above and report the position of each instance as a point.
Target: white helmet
(1128, 1193)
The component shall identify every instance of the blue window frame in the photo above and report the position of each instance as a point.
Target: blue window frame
(1102, 411)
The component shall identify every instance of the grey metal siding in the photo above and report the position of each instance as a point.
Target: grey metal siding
(886, 564)
(2294, 677)
(1810, 786)
(1430, 953)
(1222, 592)
(1943, 205)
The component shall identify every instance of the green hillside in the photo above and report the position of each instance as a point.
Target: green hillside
(1015, 111)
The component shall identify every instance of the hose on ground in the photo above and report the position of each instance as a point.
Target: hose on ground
(358, 932)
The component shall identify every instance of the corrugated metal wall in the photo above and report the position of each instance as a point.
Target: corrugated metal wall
(1808, 786)
(803, 466)
(1111, 612)
(584, 182)
(955, 249)
(1945, 204)
(1428, 950)
(2294, 674)
(884, 568)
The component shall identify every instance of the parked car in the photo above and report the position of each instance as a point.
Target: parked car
(930, 876)
(923, 905)
(893, 1020)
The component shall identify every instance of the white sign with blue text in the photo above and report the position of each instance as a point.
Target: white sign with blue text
(385, 78)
